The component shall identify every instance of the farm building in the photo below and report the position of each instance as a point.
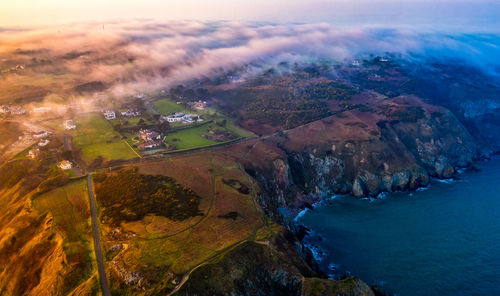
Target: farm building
(69, 124)
(200, 105)
(43, 143)
(41, 135)
(33, 153)
(131, 113)
(65, 165)
(177, 117)
(109, 114)
(148, 135)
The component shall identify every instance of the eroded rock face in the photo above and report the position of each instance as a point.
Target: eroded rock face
(367, 156)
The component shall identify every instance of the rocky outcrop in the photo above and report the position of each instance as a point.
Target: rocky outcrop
(264, 269)
(346, 287)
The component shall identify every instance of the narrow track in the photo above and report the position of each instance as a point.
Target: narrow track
(97, 240)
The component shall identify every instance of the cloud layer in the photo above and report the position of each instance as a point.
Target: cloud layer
(145, 55)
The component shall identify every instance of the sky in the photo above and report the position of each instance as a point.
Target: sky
(472, 14)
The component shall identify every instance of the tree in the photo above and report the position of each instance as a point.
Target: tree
(164, 127)
(67, 154)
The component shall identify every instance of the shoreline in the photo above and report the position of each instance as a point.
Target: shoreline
(312, 240)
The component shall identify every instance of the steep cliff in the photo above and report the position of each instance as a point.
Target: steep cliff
(44, 238)
(397, 144)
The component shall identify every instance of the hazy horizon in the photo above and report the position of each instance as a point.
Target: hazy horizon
(424, 14)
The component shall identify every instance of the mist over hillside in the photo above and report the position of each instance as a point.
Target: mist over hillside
(147, 55)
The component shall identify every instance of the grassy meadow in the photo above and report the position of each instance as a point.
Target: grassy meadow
(167, 106)
(95, 136)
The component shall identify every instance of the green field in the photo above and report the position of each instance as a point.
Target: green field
(167, 106)
(96, 137)
(190, 138)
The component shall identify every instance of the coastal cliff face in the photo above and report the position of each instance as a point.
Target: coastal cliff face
(397, 145)
(274, 268)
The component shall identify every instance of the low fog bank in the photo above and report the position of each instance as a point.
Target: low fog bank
(144, 55)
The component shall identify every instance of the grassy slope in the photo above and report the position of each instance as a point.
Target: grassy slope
(44, 244)
(167, 106)
(69, 208)
(9, 132)
(171, 248)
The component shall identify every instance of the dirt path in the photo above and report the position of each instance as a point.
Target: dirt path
(185, 277)
(97, 240)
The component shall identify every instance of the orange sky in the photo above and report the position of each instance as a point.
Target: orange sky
(447, 12)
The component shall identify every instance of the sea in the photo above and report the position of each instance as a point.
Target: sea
(439, 240)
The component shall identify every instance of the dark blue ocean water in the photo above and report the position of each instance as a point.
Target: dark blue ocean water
(441, 241)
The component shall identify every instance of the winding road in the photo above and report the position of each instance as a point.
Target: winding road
(97, 240)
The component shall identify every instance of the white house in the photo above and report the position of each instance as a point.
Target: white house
(69, 124)
(65, 165)
(109, 114)
(177, 117)
(42, 109)
(43, 143)
(41, 135)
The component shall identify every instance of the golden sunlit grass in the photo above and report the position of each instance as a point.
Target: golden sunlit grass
(54, 234)
(69, 207)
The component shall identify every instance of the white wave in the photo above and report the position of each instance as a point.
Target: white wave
(423, 188)
(300, 214)
(445, 181)
(382, 195)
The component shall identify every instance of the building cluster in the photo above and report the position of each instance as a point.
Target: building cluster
(150, 138)
(41, 137)
(29, 138)
(12, 110)
(131, 113)
(181, 117)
